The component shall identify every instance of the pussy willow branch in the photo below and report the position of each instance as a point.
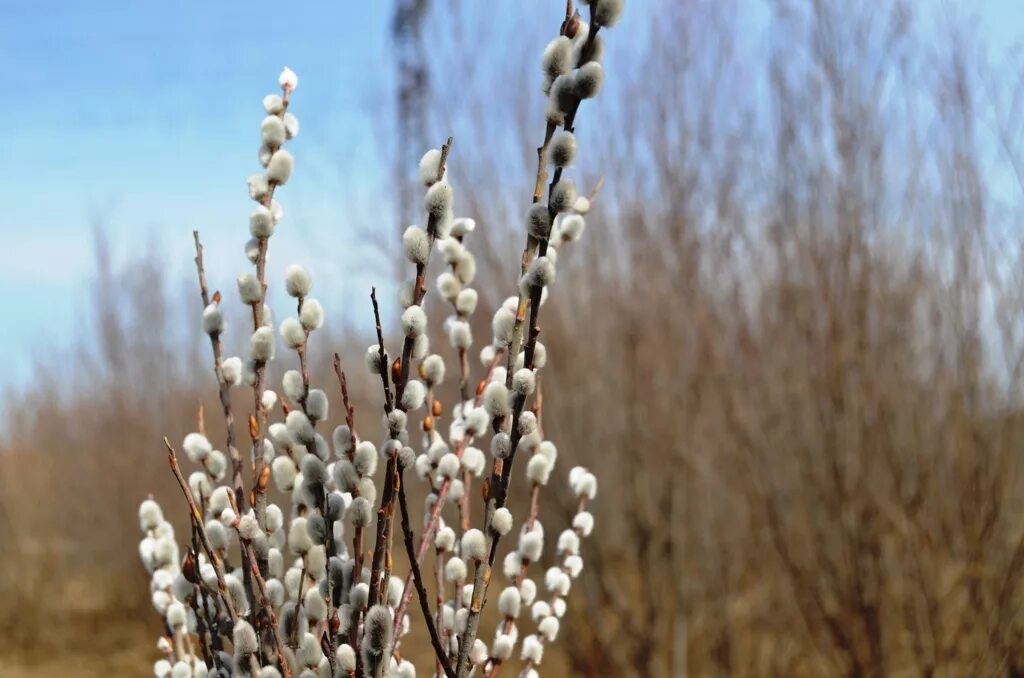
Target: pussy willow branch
(268, 609)
(421, 591)
(435, 514)
(343, 382)
(223, 388)
(502, 472)
(386, 512)
(506, 627)
(215, 561)
(261, 414)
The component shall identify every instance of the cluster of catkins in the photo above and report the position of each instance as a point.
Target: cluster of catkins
(309, 590)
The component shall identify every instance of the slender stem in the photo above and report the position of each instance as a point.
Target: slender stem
(421, 591)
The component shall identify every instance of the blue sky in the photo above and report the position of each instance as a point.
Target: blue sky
(143, 116)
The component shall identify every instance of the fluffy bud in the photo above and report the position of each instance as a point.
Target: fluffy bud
(538, 469)
(606, 12)
(588, 80)
(416, 245)
(583, 522)
(538, 220)
(292, 333)
(317, 405)
(474, 545)
(297, 281)
(414, 321)
(563, 149)
(455, 570)
(501, 521)
(557, 57)
(496, 400)
(244, 638)
(249, 289)
(413, 395)
(311, 314)
(438, 199)
(261, 345)
(563, 195)
(279, 169)
(430, 165)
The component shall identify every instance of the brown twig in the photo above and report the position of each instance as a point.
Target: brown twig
(421, 591)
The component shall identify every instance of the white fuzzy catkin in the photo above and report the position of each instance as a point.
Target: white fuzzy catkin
(268, 400)
(414, 395)
(249, 289)
(583, 522)
(501, 521)
(196, 447)
(533, 649)
(588, 79)
(460, 334)
(311, 314)
(502, 647)
(531, 544)
(261, 345)
(524, 381)
(433, 369)
(448, 467)
(462, 227)
(299, 540)
(279, 169)
(273, 103)
(346, 658)
(272, 132)
(373, 359)
(291, 383)
(496, 400)
(292, 333)
(538, 220)
(430, 165)
(509, 602)
(444, 540)
(438, 199)
(466, 301)
(528, 591)
(538, 469)
(231, 370)
(414, 321)
(448, 286)
(261, 222)
(502, 325)
(244, 638)
(365, 458)
(297, 281)
(606, 12)
(563, 149)
(557, 57)
(317, 405)
(563, 195)
(501, 446)
(291, 126)
(416, 245)
(288, 80)
(474, 545)
(455, 570)
(473, 460)
(213, 319)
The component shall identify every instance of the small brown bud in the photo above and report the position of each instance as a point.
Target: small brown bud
(437, 408)
(419, 371)
(428, 423)
(216, 297)
(480, 387)
(485, 489)
(396, 370)
(264, 480)
(571, 26)
(335, 623)
(254, 427)
(188, 567)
